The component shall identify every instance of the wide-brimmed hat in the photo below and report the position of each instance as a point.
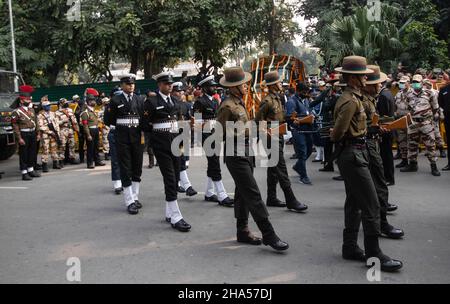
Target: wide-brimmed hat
(271, 78)
(234, 77)
(354, 65)
(377, 76)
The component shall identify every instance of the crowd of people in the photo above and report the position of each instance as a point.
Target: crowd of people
(349, 117)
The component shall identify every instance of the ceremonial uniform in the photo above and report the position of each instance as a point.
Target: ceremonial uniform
(124, 117)
(375, 161)
(50, 136)
(271, 110)
(161, 115)
(89, 120)
(207, 106)
(26, 128)
(361, 202)
(247, 195)
(184, 183)
(68, 126)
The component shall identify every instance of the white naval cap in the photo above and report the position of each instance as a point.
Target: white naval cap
(164, 77)
(209, 79)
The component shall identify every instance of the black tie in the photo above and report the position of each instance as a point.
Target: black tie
(169, 102)
(130, 98)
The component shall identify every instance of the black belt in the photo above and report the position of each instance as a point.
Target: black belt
(357, 142)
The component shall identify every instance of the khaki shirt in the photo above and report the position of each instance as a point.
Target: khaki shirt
(422, 104)
(369, 104)
(271, 109)
(23, 118)
(232, 109)
(349, 116)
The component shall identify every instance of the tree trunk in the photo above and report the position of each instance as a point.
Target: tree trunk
(134, 62)
(271, 31)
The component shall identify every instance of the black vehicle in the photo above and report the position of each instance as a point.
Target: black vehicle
(8, 95)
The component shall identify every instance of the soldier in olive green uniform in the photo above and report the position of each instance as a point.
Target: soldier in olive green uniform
(370, 91)
(361, 203)
(271, 110)
(89, 121)
(247, 196)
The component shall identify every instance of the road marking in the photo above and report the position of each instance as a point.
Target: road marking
(13, 188)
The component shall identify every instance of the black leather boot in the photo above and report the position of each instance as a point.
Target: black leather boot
(402, 164)
(61, 163)
(373, 251)
(350, 248)
(269, 236)
(26, 177)
(44, 167)
(434, 170)
(411, 167)
(244, 235)
(56, 165)
(34, 174)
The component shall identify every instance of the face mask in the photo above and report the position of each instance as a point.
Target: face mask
(416, 86)
(65, 106)
(46, 108)
(26, 103)
(401, 86)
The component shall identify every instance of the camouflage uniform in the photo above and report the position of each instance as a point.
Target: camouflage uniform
(68, 126)
(48, 138)
(422, 105)
(104, 130)
(402, 110)
(437, 129)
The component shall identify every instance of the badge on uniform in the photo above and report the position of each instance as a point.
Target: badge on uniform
(159, 108)
(121, 106)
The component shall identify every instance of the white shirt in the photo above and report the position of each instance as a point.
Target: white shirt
(165, 98)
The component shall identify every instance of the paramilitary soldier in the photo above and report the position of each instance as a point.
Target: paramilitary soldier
(68, 126)
(401, 110)
(361, 203)
(370, 92)
(185, 185)
(271, 110)
(161, 115)
(26, 131)
(89, 120)
(423, 106)
(50, 135)
(247, 195)
(124, 116)
(207, 106)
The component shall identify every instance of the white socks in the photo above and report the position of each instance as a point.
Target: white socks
(173, 212)
(209, 187)
(320, 153)
(184, 180)
(128, 195)
(117, 184)
(221, 193)
(31, 169)
(135, 188)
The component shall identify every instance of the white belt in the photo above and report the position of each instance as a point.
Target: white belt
(133, 122)
(27, 130)
(170, 126)
(112, 127)
(93, 127)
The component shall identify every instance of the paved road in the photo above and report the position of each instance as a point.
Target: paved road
(73, 213)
